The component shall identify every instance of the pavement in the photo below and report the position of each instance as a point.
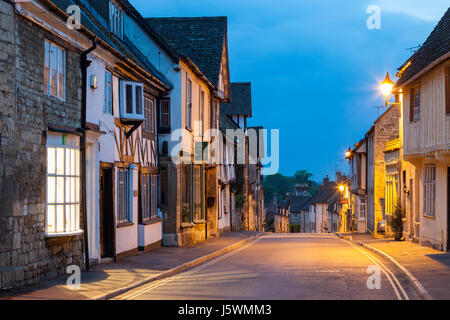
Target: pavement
(429, 266)
(280, 267)
(107, 280)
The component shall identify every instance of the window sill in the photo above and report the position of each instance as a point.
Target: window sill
(429, 217)
(187, 225)
(150, 221)
(125, 224)
(199, 221)
(63, 234)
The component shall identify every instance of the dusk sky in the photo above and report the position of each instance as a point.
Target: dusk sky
(314, 65)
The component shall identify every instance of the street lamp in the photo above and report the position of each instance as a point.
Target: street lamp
(386, 88)
(348, 153)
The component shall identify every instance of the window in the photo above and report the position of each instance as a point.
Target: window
(362, 208)
(164, 113)
(192, 193)
(108, 105)
(148, 197)
(116, 19)
(123, 205)
(414, 113)
(54, 70)
(391, 196)
(429, 191)
(213, 116)
(132, 97)
(202, 112)
(186, 194)
(149, 111)
(189, 105)
(63, 184)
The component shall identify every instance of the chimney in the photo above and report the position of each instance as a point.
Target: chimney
(338, 176)
(326, 181)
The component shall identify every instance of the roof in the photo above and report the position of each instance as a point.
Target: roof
(201, 39)
(436, 46)
(225, 122)
(334, 199)
(92, 21)
(241, 99)
(297, 203)
(324, 195)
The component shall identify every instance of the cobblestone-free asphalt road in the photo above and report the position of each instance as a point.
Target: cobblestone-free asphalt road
(292, 267)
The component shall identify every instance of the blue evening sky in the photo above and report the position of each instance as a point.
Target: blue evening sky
(314, 65)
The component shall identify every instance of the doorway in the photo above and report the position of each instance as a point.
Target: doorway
(107, 212)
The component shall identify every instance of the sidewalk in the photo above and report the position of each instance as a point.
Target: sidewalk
(429, 266)
(108, 278)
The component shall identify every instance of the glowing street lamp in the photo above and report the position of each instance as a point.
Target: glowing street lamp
(386, 90)
(348, 153)
(341, 188)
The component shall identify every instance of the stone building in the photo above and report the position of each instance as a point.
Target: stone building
(384, 167)
(40, 107)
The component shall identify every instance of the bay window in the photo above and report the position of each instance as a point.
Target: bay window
(54, 70)
(63, 184)
(131, 100)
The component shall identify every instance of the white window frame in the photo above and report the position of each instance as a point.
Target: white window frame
(71, 179)
(116, 21)
(108, 100)
(60, 64)
(429, 191)
(134, 115)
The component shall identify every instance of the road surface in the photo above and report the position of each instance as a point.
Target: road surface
(288, 267)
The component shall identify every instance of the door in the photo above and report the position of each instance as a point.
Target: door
(106, 213)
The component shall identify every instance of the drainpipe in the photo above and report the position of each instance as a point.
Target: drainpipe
(84, 63)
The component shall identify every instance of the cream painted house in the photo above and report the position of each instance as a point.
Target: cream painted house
(424, 86)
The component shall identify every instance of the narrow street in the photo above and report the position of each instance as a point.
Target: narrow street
(275, 267)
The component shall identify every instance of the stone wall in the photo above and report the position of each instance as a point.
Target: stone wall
(386, 129)
(26, 255)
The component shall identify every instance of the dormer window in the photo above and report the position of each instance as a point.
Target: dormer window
(116, 19)
(131, 100)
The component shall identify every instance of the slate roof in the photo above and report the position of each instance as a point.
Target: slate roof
(200, 39)
(334, 199)
(225, 122)
(241, 99)
(91, 20)
(436, 46)
(324, 195)
(297, 203)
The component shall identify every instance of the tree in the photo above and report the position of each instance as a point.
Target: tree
(397, 222)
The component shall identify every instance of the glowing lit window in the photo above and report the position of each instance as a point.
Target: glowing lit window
(63, 184)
